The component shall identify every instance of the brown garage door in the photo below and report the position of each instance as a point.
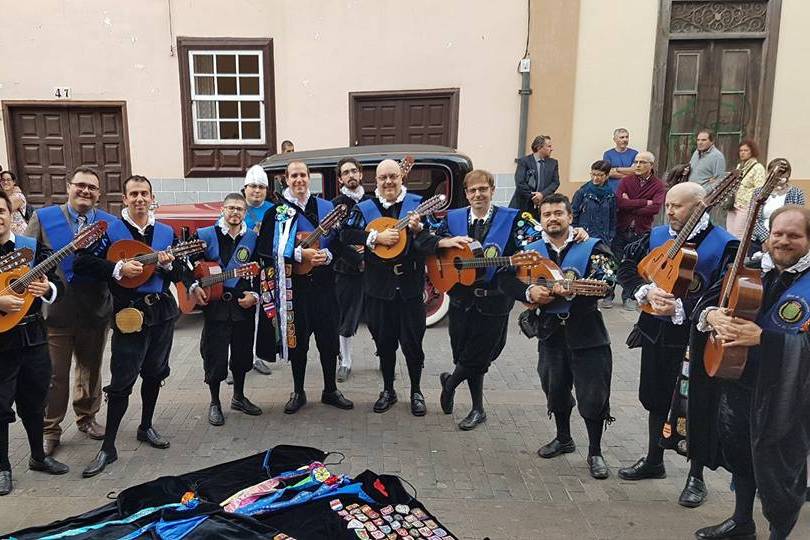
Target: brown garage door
(50, 141)
(415, 117)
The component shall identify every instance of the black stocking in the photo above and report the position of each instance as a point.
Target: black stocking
(116, 408)
(745, 490)
(563, 421)
(150, 388)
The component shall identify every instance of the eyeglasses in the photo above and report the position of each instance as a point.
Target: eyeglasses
(235, 209)
(391, 176)
(256, 186)
(347, 172)
(641, 162)
(81, 186)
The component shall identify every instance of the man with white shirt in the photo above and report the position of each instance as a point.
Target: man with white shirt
(301, 304)
(664, 336)
(138, 348)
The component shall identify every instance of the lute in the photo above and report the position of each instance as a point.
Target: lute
(211, 277)
(312, 239)
(132, 250)
(465, 265)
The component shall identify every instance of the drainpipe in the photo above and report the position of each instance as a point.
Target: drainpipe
(524, 68)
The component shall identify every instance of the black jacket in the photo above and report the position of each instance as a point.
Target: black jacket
(526, 181)
(350, 261)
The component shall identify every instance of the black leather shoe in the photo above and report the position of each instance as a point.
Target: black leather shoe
(48, 465)
(641, 471)
(556, 448)
(446, 398)
(244, 405)
(418, 407)
(6, 485)
(694, 493)
(296, 401)
(473, 419)
(386, 401)
(598, 468)
(336, 399)
(103, 458)
(152, 437)
(215, 416)
(728, 529)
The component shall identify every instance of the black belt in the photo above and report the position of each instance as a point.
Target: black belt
(28, 319)
(483, 293)
(400, 269)
(151, 299)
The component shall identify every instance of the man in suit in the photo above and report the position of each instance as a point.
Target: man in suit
(78, 323)
(537, 176)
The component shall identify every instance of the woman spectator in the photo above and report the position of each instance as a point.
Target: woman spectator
(753, 176)
(783, 194)
(8, 182)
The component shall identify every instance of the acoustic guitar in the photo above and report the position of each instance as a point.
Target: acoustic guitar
(312, 239)
(212, 279)
(433, 204)
(132, 250)
(466, 264)
(15, 259)
(671, 266)
(16, 281)
(741, 292)
(548, 274)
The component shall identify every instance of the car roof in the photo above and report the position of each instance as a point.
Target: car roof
(328, 157)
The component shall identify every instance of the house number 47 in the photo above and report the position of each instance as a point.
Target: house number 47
(62, 92)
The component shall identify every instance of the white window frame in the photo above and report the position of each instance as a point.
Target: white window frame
(216, 97)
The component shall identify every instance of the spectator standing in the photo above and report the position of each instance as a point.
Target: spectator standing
(537, 176)
(783, 194)
(8, 182)
(708, 163)
(639, 198)
(287, 147)
(621, 157)
(753, 177)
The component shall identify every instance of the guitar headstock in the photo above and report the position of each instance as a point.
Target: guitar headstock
(779, 167)
(184, 249)
(726, 188)
(590, 287)
(433, 204)
(526, 258)
(90, 235)
(248, 270)
(15, 259)
(405, 166)
(334, 217)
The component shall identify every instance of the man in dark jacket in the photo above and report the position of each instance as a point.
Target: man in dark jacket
(537, 176)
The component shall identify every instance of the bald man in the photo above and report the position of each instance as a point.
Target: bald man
(663, 337)
(394, 287)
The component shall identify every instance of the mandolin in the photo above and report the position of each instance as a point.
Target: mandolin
(741, 292)
(548, 274)
(671, 266)
(132, 250)
(212, 278)
(465, 265)
(16, 281)
(433, 204)
(312, 239)
(15, 259)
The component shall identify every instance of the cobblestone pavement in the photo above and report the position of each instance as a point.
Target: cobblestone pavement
(488, 482)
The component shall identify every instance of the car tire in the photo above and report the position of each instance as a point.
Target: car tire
(437, 304)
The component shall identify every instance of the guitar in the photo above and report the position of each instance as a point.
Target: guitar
(15, 259)
(429, 206)
(671, 266)
(548, 274)
(464, 265)
(211, 277)
(132, 250)
(16, 281)
(312, 239)
(741, 292)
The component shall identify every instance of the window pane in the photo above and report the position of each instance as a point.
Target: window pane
(250, 109)
(206, 109)
(249, 86)
(250, 130)
(204, 86)
(226, 63)
(203, 63)
(229, 130)
(249, 64)
(229, 109)
(206, 130)
(226, 86)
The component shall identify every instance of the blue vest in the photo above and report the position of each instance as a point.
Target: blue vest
(255, 214)
(500, 229)
(710, 254)
(162, 238)
(60, 233)
(21, 242)
(576, 261)
(324, 207)
(792, 311)
(242, 252)
(371, 212)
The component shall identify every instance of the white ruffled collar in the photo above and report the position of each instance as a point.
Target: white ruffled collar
(150, 222)
(385, 204)
(354, 194)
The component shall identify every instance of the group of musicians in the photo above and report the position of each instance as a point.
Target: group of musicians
(758, 427)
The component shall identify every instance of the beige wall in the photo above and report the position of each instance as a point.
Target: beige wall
(323, 50)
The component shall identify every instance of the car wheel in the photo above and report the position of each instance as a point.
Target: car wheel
(437, 304)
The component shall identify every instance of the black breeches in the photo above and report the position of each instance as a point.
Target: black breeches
(476, 339)
(395, 323)
(734, 427)
(219, 338)
(25, 375)
(587, 371)
(145, 353)
(316, 312)
(349, 292)
(660, 367)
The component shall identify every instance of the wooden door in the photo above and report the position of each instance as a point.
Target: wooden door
(710, 84)
(49, 142)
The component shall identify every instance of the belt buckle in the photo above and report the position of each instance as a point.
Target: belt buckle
(479, 293)
(227, 297)
(398, 270)
(151, 299)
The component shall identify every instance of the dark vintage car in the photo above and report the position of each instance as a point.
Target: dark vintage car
(436, 169)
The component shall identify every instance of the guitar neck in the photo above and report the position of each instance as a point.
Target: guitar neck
(427, 207)
(152, 258)
(43, 268)
(742, 252)
(687, 229)
(207, 281)
(487, 262)
(313, 237)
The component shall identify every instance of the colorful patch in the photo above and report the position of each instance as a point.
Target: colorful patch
(791, 311)
(681, 426)
(336, 505)
(387, 510)
(491, 251)
(242, 254)
(354, 524)
(418, 512)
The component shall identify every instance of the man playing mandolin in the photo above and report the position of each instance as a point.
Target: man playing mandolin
(759, 428)
(664, 333)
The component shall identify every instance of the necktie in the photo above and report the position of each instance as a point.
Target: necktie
(81, 220)
(478, 229)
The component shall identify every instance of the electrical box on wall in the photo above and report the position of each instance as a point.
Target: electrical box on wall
(525, 65)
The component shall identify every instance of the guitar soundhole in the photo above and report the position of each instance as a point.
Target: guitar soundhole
(17, 287)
